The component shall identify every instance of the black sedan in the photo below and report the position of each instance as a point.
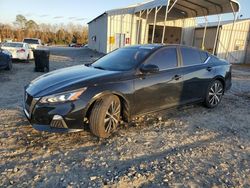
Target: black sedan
(5, 60)
(128, 82)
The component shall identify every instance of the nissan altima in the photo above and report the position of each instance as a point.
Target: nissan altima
(127, 82)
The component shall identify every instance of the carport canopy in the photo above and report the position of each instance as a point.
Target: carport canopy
(164, 10)
(180, 9)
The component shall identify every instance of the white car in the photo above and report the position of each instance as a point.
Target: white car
(33, 42)
(18, 50)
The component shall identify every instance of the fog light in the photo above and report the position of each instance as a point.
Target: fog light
(58, 122)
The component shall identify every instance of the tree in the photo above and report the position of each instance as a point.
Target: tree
(60, 36)
(21, 21)
(31, 24)
(48, 33)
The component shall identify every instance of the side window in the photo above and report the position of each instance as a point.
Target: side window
(190, 56)
(204, 56)
(165, 59)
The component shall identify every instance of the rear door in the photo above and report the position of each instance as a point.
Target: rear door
(162, 89)
(196, 74)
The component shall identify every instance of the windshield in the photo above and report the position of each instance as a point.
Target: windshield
(31, 41)
(123, 59)
(13, 45)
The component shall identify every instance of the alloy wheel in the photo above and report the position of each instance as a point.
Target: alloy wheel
(215, 93)
(112, 117)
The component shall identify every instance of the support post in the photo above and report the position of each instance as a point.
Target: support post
(138, 28)
(204, 34)
(166, 17)
(231, 33)
(217, 34)
(145, 32)
(153, 35)
(131, 29)
(110, 33)
(165, 20)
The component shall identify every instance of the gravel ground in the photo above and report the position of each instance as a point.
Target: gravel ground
(186, 147)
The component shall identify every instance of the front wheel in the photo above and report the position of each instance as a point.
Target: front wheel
(105, 116)
(214, 94)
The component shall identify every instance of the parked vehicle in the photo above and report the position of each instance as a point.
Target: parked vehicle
(72, 45)
(33, 42)
(75, 45)
(18, 50)
(128, 82)
(5, 60)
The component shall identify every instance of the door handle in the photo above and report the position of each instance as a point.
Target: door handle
(209, 69)
(177, 77)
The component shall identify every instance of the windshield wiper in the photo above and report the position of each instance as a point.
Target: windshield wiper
(101, 68)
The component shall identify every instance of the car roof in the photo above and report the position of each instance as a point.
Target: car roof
(16, 42)
(32, 38)
(156, 46)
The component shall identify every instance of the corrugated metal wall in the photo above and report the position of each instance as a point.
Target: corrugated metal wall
(247, 58)
(123, 30)
(97, 38)
(238, 45)
(209, 40)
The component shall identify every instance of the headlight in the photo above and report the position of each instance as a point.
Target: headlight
(63, 97)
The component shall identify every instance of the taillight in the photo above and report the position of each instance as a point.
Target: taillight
(20, 51)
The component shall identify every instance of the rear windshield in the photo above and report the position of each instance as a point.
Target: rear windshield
(13, 45)
(123, 59)
(31, 41)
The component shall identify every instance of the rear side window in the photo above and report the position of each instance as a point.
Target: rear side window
(190, 56)
(204, 56)
(164, 58)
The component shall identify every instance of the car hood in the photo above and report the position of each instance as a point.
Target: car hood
(65, 80)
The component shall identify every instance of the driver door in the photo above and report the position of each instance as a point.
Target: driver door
(162, 89)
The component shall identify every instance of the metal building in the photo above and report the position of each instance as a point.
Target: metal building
(236, 42)
(154, 21)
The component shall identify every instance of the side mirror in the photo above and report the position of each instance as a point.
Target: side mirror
(149, 68)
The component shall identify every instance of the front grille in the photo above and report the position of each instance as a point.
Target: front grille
(29, 102)
(29, 99)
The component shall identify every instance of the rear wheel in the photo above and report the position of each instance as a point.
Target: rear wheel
(28, 59)
(214, 94)
(9, 67)
(105, 116)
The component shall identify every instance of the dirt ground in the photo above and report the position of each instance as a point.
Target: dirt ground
(187, 147)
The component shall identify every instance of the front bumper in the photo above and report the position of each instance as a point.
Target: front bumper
(59, 118)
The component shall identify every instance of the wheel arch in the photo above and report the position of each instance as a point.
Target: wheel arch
(125, 105)
(221, 79)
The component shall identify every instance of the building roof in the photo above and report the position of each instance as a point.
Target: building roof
(182, 8)
(215, 24)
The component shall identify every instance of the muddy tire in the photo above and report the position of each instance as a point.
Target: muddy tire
(214, 94)
(105, 116)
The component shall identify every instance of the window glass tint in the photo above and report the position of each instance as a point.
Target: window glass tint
(204, 56)
(31, 41)
(13, 45)
(190, 56)
(164, 58)
(122, 59)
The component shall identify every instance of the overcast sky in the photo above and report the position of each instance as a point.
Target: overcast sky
(76, 11)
